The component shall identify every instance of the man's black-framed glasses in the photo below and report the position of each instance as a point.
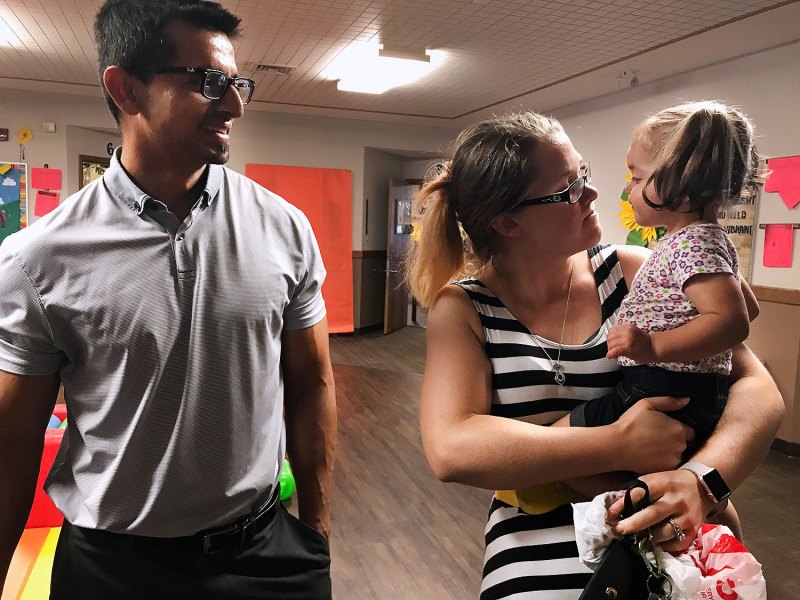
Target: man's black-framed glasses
(571, 195)
(214, 83)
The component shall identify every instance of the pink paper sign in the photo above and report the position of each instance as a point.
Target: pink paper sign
(45, 202)
(778, 245)
(46, 179)
(784, 178)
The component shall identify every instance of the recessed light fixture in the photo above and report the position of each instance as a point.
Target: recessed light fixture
(7, 35)
(369, 68)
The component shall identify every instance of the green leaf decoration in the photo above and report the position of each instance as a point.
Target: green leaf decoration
(635, 238)
(624, 196)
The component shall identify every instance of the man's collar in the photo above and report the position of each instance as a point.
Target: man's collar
(121, 186)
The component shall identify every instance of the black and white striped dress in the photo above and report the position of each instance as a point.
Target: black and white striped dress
(530, 538)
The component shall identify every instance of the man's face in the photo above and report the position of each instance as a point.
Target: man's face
(192, 129)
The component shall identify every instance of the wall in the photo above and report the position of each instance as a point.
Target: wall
(418, 169)
(20, 109)
(379, 168)
(766, 86)
(775, 337)
(87, 142)
(307, 141)
(369, 266)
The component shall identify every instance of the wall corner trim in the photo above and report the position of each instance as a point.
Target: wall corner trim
(777, 295)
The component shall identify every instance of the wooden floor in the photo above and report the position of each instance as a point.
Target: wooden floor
(401, 352)
(401, 534)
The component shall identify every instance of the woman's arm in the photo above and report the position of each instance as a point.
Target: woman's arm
(737, 446)
(464, 443)
(751, 418)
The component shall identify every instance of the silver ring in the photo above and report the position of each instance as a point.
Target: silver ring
(680, 535)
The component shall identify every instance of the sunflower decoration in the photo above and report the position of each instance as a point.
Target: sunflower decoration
(637, 235)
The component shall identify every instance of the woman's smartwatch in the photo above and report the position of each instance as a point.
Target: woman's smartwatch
(712, 482)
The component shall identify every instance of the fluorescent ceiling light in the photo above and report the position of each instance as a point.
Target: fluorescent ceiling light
(368, 68)
(7, 35)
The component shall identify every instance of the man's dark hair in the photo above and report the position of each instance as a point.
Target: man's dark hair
(129, 33)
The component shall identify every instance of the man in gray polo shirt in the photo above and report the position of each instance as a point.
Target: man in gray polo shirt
(179, 304)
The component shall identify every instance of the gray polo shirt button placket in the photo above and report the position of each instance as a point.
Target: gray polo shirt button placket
(183, 258)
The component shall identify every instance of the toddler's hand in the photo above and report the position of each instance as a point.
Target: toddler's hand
(632, 342)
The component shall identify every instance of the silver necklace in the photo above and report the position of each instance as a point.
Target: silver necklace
(556, 366)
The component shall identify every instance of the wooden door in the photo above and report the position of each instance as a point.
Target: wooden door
(395, 308)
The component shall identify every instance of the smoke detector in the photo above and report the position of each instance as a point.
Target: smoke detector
(628, 78)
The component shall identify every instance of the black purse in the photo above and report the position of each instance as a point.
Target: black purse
(623, 574)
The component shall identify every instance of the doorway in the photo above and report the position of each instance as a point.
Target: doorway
(398, 301)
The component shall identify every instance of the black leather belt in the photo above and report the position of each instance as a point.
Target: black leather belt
(234, 535)
(239, 533)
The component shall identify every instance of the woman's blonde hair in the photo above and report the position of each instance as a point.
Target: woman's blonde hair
(489, 173)
(704, 154)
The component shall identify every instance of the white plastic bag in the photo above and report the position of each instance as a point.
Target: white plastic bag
(715, 567)
(593, 534)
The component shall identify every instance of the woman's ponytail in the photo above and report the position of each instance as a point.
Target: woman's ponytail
(437, 256)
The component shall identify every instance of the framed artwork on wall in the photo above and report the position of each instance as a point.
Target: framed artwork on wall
(13, 198)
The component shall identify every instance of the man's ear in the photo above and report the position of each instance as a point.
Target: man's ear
(125, 89)
(506, 225)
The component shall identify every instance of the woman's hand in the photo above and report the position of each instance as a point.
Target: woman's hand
(674, 495)
(650, 441)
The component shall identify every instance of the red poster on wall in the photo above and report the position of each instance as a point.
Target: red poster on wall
(778, 246)
(784, 178)
(325, 196)
(46, 179)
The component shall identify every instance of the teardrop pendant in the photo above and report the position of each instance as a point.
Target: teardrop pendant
(558, 369)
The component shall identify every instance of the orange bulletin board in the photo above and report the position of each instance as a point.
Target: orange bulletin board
(325, 196)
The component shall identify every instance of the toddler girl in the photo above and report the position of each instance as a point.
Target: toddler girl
(687, 305)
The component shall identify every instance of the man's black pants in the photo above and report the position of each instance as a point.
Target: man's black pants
(285, 560)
